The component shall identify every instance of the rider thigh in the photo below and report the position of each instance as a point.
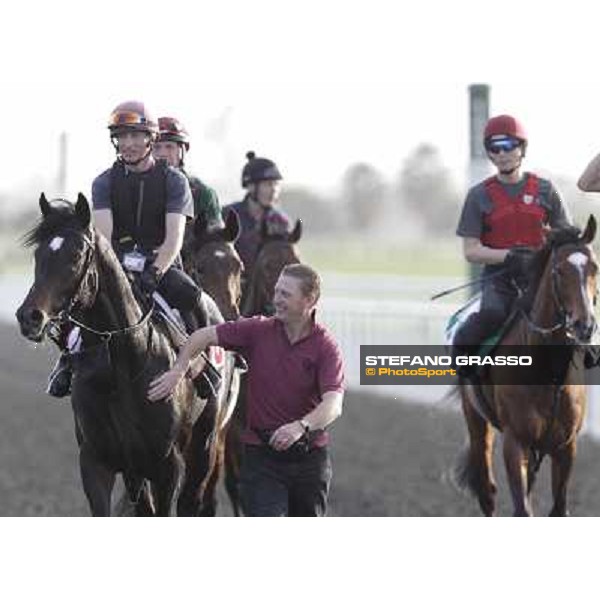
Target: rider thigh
(496, 303)
(179, 290)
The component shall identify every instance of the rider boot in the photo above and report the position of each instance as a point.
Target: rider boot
(59, 380)
(465, 371)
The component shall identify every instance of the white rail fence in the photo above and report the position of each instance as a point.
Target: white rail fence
(357, 322)
(361, 311)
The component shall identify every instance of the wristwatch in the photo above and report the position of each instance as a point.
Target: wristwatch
(304, 424)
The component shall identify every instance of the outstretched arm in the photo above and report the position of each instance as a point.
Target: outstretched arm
(162, 386)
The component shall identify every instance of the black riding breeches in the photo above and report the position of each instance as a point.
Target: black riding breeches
(179, 289)
(497, 300)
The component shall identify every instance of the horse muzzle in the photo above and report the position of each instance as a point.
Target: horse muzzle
(581, 331)
(32, 322)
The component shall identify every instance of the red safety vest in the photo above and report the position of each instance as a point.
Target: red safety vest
(514, 221)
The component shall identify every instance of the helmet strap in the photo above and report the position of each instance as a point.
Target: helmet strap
(133, 163)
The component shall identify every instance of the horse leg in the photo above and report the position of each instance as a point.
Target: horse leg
(167, 485)
(98, 482)
(516, 460)
(562, 465)
(233, 459)
(476, 469)
(200, 458)
(209, 495)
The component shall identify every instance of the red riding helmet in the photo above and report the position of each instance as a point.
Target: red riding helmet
(504, 125)
(172, 130)
(132, 115)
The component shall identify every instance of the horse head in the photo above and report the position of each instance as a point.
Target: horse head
(211, 260)
(277, 249)
(64, 271)
(567, 274)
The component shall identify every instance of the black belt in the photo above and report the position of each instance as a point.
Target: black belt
(298, 450)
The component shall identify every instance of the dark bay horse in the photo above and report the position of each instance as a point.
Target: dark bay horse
(160, 448)
(545, 418)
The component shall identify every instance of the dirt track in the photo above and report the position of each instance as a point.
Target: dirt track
(390, 458)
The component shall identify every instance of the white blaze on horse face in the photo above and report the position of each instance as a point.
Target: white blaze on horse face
(56, 243)
(220, 254)
(579, 260)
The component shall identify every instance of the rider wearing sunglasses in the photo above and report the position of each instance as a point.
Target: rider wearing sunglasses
(504, 218)
(142, 205)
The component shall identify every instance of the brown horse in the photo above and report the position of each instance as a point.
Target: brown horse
(275, 251)
(554, 321)
(161, 449)
(211, 260)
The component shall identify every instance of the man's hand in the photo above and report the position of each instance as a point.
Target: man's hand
(286, 436)
(517, 260)
(164, 385)
(149, 279)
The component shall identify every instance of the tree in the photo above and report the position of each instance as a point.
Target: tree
(364, 192)
(425, 186)
(317, 214)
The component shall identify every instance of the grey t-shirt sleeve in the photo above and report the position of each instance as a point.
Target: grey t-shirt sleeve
(179, 194)
(101, 191)
(470, 223)
(558, 215)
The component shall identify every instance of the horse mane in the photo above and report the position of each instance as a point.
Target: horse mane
(555, 238)
(63, 214)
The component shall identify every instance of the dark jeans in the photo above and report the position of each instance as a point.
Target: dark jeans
(497, 300)
(271, 486)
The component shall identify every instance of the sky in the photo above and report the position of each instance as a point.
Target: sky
(315, 87)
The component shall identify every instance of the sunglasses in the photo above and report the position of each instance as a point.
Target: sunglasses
(125, 118)
(507, 145)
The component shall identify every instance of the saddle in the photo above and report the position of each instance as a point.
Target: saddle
(472, 306)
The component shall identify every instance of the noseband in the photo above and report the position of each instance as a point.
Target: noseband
(562, 314)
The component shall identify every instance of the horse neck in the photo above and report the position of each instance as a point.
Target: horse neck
(545, 311)
(115, 306)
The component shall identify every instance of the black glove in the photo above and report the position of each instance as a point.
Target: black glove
(517, 261)
(149, 279)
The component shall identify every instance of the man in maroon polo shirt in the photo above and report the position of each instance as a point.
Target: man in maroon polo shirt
(295, 390)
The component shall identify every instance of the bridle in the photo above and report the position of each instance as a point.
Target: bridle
(562, 314)
(66, 314)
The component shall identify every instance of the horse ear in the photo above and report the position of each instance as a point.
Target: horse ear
(45, 205)
(82, 210)
(590, 230)
(232, 226)
(296, 234)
